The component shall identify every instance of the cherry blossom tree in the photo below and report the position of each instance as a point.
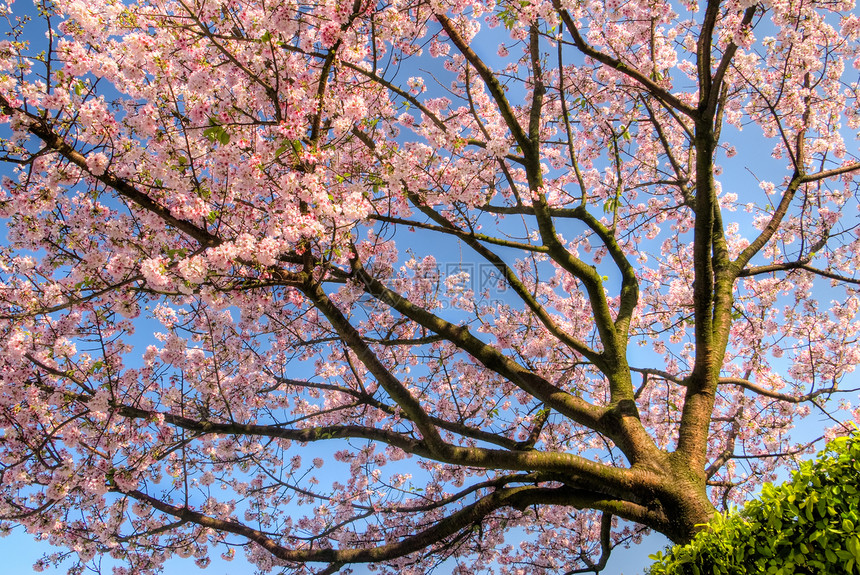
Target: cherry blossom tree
(229, 325)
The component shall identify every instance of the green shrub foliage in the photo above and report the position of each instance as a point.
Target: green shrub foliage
(810, 525)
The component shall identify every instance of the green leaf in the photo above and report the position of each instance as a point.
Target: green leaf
(212, 133)
(217, 133)
(853, 545)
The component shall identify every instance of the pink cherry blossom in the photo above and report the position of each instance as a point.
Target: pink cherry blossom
(314, 284)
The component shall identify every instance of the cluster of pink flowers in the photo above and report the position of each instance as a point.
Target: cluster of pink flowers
(232, 236)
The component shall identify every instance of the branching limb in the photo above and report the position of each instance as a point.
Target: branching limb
(663, 95)
(798, 265)
(497, 91)
(386, 379)
(605, 548)
(726, 454)
(537, 426)
(513, 281)
(40, 128)
(750, 386)
(622, 423)
(574, 407)
(458, 428)
(464, 235)
(516, 497)
(716, 84)
(758, 389)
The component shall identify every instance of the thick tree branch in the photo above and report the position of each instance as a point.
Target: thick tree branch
(497, 91)
(40, 128)
(458, 428)
(517, 498)
(771, 227)
(391, 384)
(494, 360)
(728, 55)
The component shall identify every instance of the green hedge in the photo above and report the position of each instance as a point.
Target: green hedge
(808, 525)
